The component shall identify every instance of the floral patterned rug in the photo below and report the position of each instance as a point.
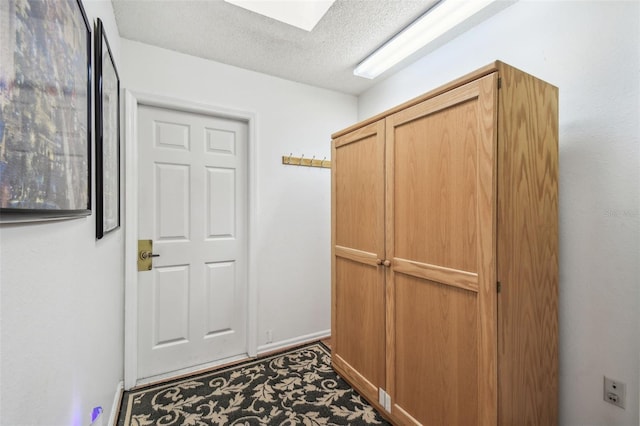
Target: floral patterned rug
(297, 387)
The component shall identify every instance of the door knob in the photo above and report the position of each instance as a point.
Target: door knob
(144, 255)
(379, 262)
(387, 263)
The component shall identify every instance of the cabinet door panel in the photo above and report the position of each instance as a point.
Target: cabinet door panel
(440, 237)
(440, 330)
(435, 188)
(359, 319)
(358, 280)
(359, 190)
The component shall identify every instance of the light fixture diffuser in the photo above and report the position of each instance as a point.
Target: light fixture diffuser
(438, 20)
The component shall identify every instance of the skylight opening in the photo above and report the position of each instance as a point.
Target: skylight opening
(304, 14)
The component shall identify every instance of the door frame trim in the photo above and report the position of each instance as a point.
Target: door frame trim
(132, 101)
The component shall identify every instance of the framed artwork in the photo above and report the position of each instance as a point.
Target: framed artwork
(107, 91)
(45, 110)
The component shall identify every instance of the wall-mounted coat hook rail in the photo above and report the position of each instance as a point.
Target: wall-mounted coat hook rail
(290, 160)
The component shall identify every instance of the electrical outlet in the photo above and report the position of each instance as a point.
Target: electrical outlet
(269, 336)
(614, 392)
(384, 399)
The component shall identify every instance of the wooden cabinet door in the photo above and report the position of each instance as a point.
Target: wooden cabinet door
(440, 237)
(358, 281)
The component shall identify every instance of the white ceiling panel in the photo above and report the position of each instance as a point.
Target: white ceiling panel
(324, 57)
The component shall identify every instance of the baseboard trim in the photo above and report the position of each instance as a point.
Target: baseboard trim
(115, 407)
(282, 344)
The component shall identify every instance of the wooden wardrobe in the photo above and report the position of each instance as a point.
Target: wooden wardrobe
(445, 254)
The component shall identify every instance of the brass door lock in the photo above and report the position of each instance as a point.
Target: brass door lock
(145, 255)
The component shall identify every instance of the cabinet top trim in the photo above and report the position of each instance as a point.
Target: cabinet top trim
(481, 72)
(496, 66)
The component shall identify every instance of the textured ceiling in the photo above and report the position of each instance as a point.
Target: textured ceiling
(324, 57)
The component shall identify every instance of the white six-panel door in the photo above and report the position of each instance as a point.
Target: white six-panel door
(192, 199)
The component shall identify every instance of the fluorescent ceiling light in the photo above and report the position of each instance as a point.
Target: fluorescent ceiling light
(446, 15)
(304, 14)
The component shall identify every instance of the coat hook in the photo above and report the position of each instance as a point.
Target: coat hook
(301, 159)
(313, 158)
(289, 159)
(322, 162)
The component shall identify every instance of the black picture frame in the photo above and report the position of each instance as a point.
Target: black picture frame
(45, 111)
(107, 90)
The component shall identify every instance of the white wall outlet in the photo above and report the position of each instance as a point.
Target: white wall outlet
(614, 392)
(269, 336)
(387, 402)
(384, 399)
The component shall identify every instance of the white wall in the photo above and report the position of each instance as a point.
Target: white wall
(61, 310)
(61, 292)
(293, 203)
(590, 50)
